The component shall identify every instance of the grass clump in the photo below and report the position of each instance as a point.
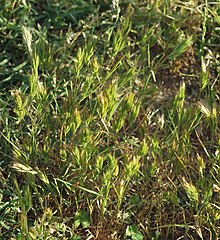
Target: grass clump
(109, 120)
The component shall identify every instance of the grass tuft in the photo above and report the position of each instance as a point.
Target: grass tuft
(109, 120)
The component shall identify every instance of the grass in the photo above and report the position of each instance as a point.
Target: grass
(109, 119)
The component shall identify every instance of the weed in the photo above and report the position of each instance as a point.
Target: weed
(109, 120)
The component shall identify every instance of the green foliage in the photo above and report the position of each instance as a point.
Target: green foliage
(180, 48)
(81, 217)
(133, 233)
(109, 120)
